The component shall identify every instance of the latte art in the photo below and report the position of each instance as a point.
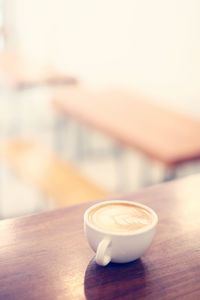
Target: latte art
(120, 217)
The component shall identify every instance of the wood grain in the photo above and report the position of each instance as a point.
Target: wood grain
(47, 257)
(39, 166)
(164, 135)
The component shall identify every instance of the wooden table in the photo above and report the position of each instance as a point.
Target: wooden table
(47, 257)
(163, 135)
(18, 72)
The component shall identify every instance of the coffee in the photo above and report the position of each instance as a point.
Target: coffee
(120, 217)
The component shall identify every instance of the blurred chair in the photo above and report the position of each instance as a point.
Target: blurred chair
(59, 180)
(162, 135)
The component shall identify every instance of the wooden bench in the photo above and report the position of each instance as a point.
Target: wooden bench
(40, 167)
(163, 135)
(18, 72)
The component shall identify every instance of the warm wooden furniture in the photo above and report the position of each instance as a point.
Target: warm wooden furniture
(166, 136)
(18, 72)
(47, 257)
(37, 165)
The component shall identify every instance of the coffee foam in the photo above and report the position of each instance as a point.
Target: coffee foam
(120, 217)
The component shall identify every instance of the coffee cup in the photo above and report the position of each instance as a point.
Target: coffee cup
(119, 231)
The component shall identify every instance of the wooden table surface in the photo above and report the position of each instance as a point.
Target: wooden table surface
(46, 256)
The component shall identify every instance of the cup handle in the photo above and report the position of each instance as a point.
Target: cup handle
(103, 256)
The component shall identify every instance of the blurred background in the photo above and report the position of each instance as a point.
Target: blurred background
(59, 59)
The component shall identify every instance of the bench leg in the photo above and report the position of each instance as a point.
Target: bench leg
(85, 147)
(145, 174)
(122, 178)
(183, 169)
(59, 127)
(82, 147)
(169, 174)
(79, 143)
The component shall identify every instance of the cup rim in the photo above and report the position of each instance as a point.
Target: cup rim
(138, 231)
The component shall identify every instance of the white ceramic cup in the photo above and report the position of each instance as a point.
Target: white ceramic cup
(119, 247)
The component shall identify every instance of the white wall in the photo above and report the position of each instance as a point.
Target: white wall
(151, 45)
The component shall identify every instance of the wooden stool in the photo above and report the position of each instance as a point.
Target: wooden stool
(162, 135)
(37, 165)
